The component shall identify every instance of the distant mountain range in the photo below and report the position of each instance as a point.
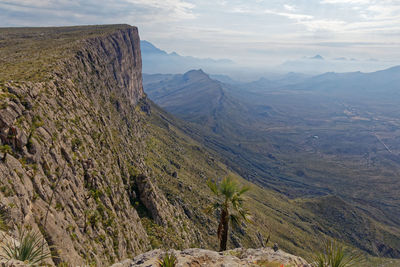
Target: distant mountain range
(382, 84)
(334, 134)
(319, 64)
(156, 60)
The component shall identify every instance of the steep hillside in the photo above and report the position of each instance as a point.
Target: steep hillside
(298, 144)
(182, 166)
(198, 103)
(72, 142)
(197, 98)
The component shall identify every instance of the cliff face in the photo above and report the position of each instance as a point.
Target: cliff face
(72, 150)
(115, 60)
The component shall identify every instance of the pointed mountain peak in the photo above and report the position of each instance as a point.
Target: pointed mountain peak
(196, 75)
(319, 57)
(148, 48)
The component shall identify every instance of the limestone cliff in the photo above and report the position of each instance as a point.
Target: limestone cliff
(71, 131)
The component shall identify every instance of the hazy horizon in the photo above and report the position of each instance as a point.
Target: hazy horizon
(313, 65)
(351, 35)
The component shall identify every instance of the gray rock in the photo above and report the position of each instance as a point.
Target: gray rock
(202, 257)
(12, 263)
(7, 117)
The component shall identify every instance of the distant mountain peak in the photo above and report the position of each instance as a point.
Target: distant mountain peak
(200, 71)
(196, 74)
(263, 79)
(319, 57)
(147, 47)
(155, 60)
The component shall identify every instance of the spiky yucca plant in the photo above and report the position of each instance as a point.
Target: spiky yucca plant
(168, 260)
(336, 255)
(29, 248)
(230, 204)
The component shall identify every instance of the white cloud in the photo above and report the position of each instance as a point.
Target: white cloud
(34, 3)
(178, 8)
(364, 2)
(294, 16)
(103, 10)
(289, 7)
(323, 25)
(202, 26)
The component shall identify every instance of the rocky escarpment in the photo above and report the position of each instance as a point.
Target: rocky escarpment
(201, 257)
(72, 146)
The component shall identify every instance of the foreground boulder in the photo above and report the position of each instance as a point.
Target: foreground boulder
(12, 263)
(201, 257)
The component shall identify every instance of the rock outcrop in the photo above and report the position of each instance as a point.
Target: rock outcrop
(72, 147)
(233, 258)
(12, 263)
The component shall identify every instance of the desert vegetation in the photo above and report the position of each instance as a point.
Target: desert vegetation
(29, 247)
(335, 254)
(229, 205)
(167, 260)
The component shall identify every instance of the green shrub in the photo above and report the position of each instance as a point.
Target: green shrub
(37, 122)
(168, 260)
(336, 255)
(3, 223)
(76, 143)
(5, 149)
(30, 249)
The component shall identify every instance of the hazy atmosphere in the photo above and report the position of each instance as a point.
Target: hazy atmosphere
(349, 34)
(200, 133)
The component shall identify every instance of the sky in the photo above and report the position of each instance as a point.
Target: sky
(252, 32)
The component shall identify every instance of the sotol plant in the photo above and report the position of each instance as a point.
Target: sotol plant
(336, 255)
(168, 260)
(28, 248)
(230, 204)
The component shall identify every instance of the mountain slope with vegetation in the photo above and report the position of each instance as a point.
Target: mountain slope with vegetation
(72, 142)
(100, 172)
(287, 140)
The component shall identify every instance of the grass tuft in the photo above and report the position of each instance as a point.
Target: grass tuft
(28, 248)
(336, 255)
(168, 260)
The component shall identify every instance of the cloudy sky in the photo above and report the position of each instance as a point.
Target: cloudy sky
(247, 31)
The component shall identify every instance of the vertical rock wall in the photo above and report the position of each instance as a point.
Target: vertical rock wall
(71, 145)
